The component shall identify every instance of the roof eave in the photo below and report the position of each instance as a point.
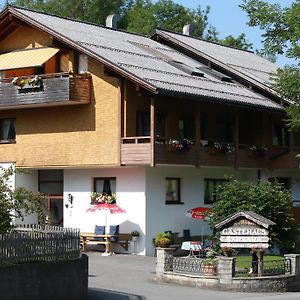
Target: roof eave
(221, 101)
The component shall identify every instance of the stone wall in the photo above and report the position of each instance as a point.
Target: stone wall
(225, 279)
(58, 280)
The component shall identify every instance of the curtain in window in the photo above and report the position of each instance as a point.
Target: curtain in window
(8, 129)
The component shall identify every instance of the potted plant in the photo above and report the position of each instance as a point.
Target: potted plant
(163, 240)
(209, 265)
(228, 251)
(135, 234)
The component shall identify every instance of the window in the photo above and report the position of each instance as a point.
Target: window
(105, 185)
(210, 194)
(82, 63)
(173, 191)
(225, 132)
(285, 182)
(143, 124)
(7, 130)
(51, 182)
(187, 127)
(280, 136)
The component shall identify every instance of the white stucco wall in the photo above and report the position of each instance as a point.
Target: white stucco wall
(161, 216)
(130, 191)
(29, 180)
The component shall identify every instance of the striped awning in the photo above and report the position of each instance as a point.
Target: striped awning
(26, 58)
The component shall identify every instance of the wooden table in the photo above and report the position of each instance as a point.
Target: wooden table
(92, 238)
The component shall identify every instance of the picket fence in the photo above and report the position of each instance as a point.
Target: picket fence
(33, 243)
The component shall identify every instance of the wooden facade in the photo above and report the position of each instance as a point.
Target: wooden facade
(106, 130)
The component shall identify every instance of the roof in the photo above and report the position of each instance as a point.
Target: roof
(250, 215)
(156, 67)
(246, 64)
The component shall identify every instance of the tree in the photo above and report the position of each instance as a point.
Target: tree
(239, 42)
(268, 199)
(17, 203)
(282, 35)
(94, 11)
(143, 16)
(139, 16)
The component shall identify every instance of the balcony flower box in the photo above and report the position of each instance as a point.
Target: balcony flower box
(179, 145)
(22, 83)
(216, 147)
(257, 151)
(97, 198)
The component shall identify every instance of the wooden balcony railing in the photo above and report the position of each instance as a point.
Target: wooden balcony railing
(137, 151)
(50, 90)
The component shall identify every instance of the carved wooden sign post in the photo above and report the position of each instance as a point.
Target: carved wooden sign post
(245, 229)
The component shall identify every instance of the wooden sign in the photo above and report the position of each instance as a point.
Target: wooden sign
(245, 230)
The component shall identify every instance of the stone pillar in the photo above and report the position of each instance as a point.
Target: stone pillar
(161, 254)
(226, 266)
(295, 264)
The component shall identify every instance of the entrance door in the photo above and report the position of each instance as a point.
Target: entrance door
(55, 210)
(51, 184)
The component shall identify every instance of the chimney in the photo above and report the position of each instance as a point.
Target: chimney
(188, 29)
(112, 21)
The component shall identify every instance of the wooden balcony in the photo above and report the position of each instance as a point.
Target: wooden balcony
(52, 90)
(138, 151)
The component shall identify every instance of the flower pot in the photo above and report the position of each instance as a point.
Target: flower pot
(135, 238)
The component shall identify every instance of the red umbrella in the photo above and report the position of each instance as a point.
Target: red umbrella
(108, 208)
(112, 208)
(200, 213)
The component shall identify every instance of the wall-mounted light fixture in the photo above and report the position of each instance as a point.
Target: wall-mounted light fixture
(70, 198)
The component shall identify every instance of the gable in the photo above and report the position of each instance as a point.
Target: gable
(25, 38)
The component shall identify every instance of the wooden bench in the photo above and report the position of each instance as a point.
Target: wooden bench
(87, 238)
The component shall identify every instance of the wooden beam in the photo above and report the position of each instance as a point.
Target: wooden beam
(198, 134)
(237, 139)
(152, 131)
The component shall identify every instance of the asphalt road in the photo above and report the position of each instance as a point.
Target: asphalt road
(131, 277)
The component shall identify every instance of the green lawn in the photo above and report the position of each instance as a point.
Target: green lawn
(245, 261)
(272, 264)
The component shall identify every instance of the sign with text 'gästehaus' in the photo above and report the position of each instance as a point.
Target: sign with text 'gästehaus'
(245, 230)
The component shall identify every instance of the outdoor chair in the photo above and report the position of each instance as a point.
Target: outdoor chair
(114, 230)
(99, 229)
(186, 235)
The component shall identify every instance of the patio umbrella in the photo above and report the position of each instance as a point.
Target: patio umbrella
(199, 213)
(108, 208)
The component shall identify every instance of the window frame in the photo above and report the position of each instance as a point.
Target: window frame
(178, 191)
(214, 196)
(7, 141)
(103, 178)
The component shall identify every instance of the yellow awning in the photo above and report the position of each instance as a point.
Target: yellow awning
(26, 58)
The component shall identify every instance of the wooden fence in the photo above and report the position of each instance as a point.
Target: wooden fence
(38, 244)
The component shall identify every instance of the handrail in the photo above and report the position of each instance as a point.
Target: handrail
(44, 76)
(136, 139)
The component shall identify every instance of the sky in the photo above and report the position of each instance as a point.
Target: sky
(229, 19)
